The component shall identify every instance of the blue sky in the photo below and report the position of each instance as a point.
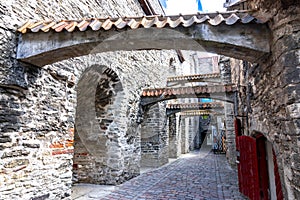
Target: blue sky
(173, 7)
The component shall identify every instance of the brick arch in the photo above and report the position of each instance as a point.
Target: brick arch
(97, 153)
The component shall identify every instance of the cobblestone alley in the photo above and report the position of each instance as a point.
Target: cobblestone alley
(197, 175)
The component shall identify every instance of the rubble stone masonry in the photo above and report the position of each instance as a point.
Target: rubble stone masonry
(275, 87)
(154, 137)
(38, 106)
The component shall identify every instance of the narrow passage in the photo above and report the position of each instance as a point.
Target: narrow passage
(194, 176)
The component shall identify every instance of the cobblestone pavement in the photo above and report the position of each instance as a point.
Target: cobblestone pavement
(194, 176)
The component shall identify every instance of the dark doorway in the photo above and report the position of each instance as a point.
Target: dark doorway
(263, 173)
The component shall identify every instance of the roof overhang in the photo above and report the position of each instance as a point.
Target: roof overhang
(233, 34)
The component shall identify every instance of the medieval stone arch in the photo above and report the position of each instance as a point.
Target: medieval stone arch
(100, 128)
(239, 38)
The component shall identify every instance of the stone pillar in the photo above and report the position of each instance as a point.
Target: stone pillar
(184, 135)
(191, 133)
(213, 128)
(225, 72)
(197, 139)
(174, 143)
(194, 137)
(178, 133)
(154, 137)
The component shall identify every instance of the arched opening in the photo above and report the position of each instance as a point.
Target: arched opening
(241, 39)
(98, 155)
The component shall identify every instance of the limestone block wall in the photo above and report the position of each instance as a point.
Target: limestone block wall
(43, 119)
(101, 126)
(38, 105)
(13, 13)
(154, 137)
(275, 88)
(174, 136)
(36, 138)
(225, 72)
(194, 133)
(275, 103)
(178, 133)
(185, 135)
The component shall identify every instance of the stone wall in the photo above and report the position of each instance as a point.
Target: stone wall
(43, 117)
(100, 127)
(38, 106)
(271, 90)
(225, 72)
(13, 13)
(154, 137)
(184, 135)
(173, 137)
(174, 133)
(194, 133)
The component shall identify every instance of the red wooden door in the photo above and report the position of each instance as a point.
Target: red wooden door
(248, 167)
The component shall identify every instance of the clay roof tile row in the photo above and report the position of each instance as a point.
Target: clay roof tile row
(193, 77)
(195, 105)
(96, 24)
(196, 113)
(188, 90)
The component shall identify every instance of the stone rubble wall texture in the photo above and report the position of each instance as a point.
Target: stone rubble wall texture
(173, 136)
(101, 122)
(225, 73)
(44, 128)
(178, 134)
(193, 133)
(276, 90)
(38, 105)
(154, 137)
(184, 135)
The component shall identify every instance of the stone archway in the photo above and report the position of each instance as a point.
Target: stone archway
(99, 131)
(236, 35)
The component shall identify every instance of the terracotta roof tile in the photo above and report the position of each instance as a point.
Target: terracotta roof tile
(214, 19)
(188, 90)
(194, 77)
(196, 113)
(195, 105)
(47, 27)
